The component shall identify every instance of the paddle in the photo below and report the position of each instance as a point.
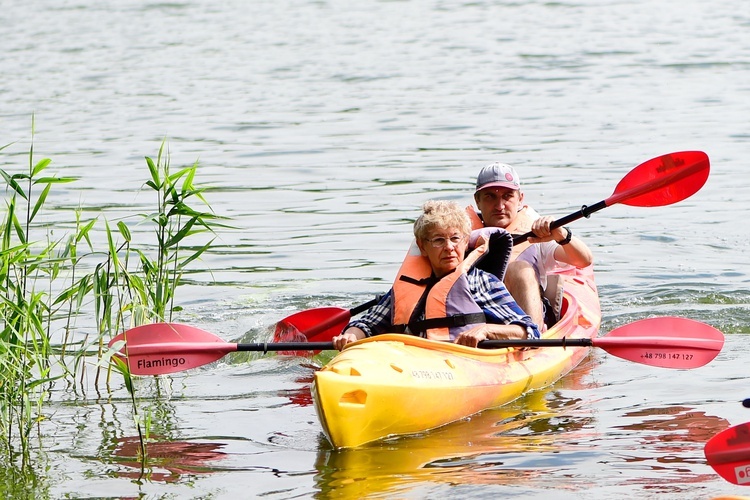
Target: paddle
(728, 452)
(323, 322)
(660, 181)
(669, 342)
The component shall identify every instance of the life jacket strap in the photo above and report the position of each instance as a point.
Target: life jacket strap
(428, 281)
(457, 320)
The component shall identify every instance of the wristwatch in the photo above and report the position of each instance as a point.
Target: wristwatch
(567, 239)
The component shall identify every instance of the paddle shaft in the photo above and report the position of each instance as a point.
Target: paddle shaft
(484, 344)
(164, 348)
(585, 211)
(363, 307)
(606, 343)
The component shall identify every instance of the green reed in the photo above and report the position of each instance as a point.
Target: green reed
(62, 299)
(25, 308)
(173, 221)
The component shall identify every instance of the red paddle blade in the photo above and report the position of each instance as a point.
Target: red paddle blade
(666, 342)
(728, 453)
(663, 180)
(286, 333)
(320, 324)
(162, 348)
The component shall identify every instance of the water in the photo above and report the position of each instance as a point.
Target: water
(321, 127)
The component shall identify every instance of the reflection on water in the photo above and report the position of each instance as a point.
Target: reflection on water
(300, 396)
(669, 443)
(166, 461)
(501, 446)
(675, 423)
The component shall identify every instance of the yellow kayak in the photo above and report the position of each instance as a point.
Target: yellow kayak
(393, 384)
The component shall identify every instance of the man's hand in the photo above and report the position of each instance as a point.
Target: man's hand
(542, 232)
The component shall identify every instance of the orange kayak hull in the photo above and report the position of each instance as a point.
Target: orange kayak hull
(393, 385)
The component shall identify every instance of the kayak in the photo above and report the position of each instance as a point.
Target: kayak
(394, 385)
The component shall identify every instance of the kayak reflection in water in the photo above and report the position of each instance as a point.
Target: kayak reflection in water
(440, 293)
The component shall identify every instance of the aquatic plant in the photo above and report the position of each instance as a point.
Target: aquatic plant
(62, 299)
(26, 311)
(173, 221)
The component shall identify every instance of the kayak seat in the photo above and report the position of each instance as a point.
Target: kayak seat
(554, 294)
(495, 260)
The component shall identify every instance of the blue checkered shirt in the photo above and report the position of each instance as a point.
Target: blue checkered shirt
(488, 292)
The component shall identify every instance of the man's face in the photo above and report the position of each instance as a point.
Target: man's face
(499, 206)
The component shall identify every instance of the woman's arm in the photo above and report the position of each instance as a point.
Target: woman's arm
(505, 319)
(351, 334)
(491, 332)
(376, 320)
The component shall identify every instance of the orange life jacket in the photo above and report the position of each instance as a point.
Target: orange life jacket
(448, 304)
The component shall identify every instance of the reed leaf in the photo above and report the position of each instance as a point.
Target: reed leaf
(40, 166)
(12, 183)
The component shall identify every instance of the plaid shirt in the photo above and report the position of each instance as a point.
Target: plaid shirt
(489, 293)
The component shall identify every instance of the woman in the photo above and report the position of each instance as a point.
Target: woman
(439, 294)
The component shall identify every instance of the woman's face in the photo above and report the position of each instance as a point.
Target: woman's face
(444, 248)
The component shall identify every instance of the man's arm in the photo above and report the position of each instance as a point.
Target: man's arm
(573, 251)
(570, 249)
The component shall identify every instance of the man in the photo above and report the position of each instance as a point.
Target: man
(437, 283)
(499, 198)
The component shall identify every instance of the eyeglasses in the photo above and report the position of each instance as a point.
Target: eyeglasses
(441, 241)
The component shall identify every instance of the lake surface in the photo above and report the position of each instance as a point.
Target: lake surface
(321, 127)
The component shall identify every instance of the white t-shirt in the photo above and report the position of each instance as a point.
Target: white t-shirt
(542, 257)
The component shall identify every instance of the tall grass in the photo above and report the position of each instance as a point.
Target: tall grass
(62, 298)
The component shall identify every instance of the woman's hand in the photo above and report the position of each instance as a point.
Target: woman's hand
(473, 336)
(350, 335)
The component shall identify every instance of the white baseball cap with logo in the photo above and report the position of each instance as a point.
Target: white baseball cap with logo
(498, 175)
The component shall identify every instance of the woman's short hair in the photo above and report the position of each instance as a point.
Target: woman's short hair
(441, 214)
